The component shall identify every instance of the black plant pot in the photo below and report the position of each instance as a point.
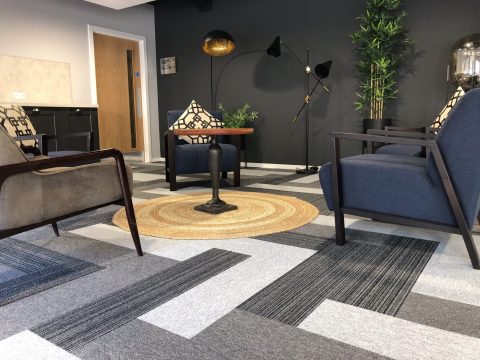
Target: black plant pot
(377, 124)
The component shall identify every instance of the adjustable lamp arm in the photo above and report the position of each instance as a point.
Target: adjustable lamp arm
(307, 68)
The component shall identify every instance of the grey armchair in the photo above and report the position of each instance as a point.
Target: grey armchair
(34, 193)
(440, 192)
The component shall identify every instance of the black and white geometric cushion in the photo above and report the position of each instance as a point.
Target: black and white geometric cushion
(437, 124)
(14, 119)
(196, 117)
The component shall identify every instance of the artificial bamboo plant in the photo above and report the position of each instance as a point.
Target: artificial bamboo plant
(381, 45)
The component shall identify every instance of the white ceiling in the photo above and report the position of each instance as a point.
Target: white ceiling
(118, 4)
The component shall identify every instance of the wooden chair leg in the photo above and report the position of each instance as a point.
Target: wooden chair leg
(337, 193)
(236, 178)
(132, 224)
(471, 249)
(127, 201)
(167, 176)
(173, 182)
(55, 229)
(224, 174)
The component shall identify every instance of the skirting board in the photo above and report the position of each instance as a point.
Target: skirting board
(258, 165)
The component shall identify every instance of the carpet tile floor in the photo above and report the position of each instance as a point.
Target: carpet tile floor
(392, 292)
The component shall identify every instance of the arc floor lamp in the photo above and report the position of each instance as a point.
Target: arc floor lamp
(321, 72)
(217, 43)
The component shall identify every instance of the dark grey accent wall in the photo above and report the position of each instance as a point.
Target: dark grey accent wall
(274, 86)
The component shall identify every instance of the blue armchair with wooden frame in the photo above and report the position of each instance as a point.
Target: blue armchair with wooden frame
(441, 191)
(183, 158)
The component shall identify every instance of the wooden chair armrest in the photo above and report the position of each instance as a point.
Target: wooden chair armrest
(14, 169)
(404, 134)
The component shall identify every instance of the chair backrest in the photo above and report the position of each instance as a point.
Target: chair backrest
(173, 116)
(459, 143)
(10, 152)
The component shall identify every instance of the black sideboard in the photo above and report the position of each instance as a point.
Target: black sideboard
(65, 120)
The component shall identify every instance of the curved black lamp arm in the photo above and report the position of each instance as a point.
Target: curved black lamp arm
(319, 81)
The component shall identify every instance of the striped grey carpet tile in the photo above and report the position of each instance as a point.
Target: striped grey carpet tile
(373, 276)
(83, 325)
(38, 269)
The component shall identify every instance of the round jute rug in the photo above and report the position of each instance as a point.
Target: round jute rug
(173, 217)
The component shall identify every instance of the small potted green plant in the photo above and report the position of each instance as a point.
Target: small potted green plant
(382, 46)
(239, 117)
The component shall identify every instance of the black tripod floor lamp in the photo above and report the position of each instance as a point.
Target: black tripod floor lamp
(321, 72)
(217, 43)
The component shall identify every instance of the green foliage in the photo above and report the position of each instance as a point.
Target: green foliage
(239, 117)
(382, 46)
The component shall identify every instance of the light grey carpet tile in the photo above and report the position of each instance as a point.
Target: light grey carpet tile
(95, 319)
(388, 335)
(46, 305)
(41, 268)
(371, 276)
(442, 314)
(241, 335)
(140, 340)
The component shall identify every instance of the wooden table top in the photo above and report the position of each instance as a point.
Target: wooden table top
(213, 132)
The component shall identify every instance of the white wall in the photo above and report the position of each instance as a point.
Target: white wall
(57, 30)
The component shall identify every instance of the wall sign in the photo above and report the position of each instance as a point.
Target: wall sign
(168, 65)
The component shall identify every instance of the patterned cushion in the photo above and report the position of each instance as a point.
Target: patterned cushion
(14, 119)
(196, 117)
(437, 124)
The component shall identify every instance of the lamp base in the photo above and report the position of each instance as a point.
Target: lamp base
(308, 171)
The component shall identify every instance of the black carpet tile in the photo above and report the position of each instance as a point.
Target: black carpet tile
(85, 324)
(372, 275)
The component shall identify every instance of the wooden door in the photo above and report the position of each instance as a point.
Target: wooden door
(117, 68)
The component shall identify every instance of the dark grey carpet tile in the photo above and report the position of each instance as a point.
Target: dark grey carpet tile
(314, 199)
(140, 340)
(442, 314)
(95, 319)
(242, 335)
(42, 269)
(305, 241)
(80, 247)
(322, 206)
(42, 307)
(282, 179)
(371, 276)
(352, 235)
(159, 170)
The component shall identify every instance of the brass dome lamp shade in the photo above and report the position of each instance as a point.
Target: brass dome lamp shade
(216, 43)
(465, 62)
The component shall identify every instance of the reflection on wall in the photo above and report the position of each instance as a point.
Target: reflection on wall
(34, 81)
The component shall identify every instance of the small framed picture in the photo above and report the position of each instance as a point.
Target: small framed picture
(168, 65)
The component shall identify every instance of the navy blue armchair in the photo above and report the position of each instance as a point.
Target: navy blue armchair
(183, 158)
(441, 191)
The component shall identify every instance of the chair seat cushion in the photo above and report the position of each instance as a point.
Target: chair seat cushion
(39, 196)
(400, 149)
(193, 158)
(390, 184)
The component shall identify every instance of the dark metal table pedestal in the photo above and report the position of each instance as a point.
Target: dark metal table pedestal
(215, 205)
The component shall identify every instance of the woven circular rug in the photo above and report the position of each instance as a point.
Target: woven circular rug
(173, 217)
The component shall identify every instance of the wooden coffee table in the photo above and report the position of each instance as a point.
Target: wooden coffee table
(215, 205)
